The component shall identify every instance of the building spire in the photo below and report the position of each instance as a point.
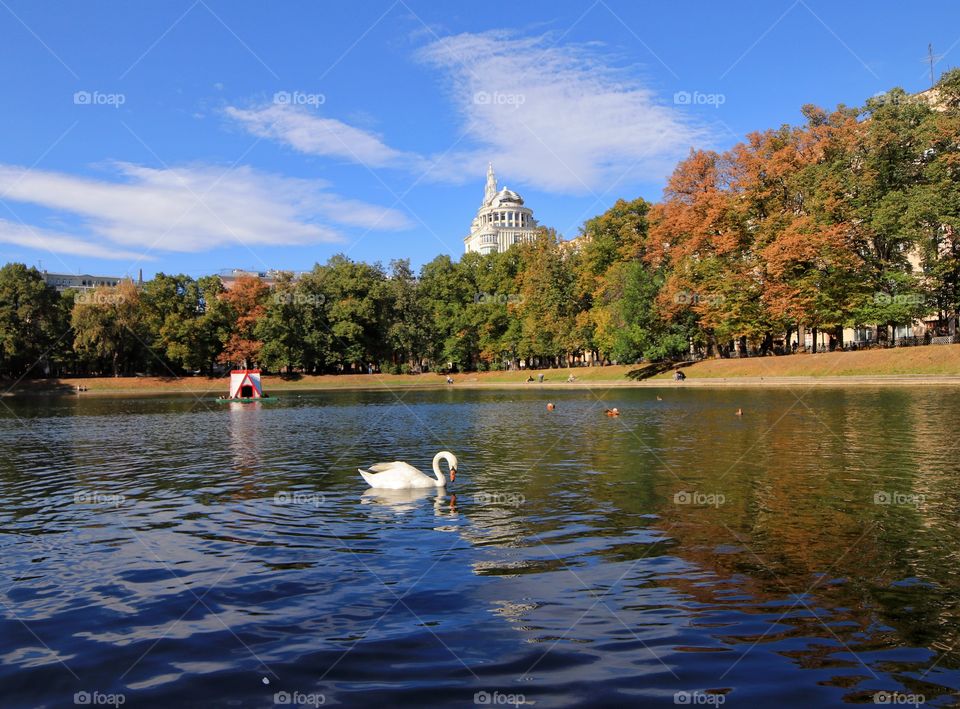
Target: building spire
(491, 190)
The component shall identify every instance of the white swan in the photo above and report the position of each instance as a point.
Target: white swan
(402, 476)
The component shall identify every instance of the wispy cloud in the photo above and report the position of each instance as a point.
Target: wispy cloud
(558, 117)
(562, 118)
(182, 209)
(312, 134)
(59, 243)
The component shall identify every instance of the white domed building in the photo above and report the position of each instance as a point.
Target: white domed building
(501, 221)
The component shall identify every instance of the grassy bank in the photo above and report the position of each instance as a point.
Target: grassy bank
(921, 365)
(933, 360)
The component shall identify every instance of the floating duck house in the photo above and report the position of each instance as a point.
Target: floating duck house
(245, 385)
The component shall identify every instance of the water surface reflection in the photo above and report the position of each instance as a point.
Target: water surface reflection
(179, 551)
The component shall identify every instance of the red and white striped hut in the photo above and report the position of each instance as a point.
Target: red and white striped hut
(245, 384)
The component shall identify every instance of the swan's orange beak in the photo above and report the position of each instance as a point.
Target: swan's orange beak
(453, 474)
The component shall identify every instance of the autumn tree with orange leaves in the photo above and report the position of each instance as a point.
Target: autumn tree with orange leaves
(847, 220)
(246, 305)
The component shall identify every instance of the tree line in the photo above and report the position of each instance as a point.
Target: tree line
(849, 219)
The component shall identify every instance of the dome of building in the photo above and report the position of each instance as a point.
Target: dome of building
(501, 221)
(507, 196)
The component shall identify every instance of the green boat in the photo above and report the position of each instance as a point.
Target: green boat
(247, 400)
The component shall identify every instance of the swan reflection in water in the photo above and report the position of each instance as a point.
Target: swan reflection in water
(405, 501)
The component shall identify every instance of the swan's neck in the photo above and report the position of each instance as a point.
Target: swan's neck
(441, 478)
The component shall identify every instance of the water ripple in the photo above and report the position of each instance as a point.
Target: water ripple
(182, 553)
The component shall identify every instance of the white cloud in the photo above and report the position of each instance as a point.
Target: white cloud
(560, 118)
(185, 209)
(312, 134)
(58, 242)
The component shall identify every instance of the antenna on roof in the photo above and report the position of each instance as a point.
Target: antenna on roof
(932, 59)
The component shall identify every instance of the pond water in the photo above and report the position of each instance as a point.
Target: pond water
(179, 552)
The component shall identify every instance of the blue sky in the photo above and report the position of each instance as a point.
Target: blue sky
(196, 136)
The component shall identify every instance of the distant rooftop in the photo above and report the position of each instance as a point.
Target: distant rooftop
(270, 273)
(229, 276)
(83, 281)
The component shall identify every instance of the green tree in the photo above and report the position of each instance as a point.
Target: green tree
(210, 329)
(313, 304)
(885, 182)
(32, 322)
(627, 319)
(546, 303)
(175, 317)
(357, 309)
(109, 328)
(281, 327)
(446, 292)
(407, 330)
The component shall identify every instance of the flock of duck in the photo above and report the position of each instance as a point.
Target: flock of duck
(399, 475)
